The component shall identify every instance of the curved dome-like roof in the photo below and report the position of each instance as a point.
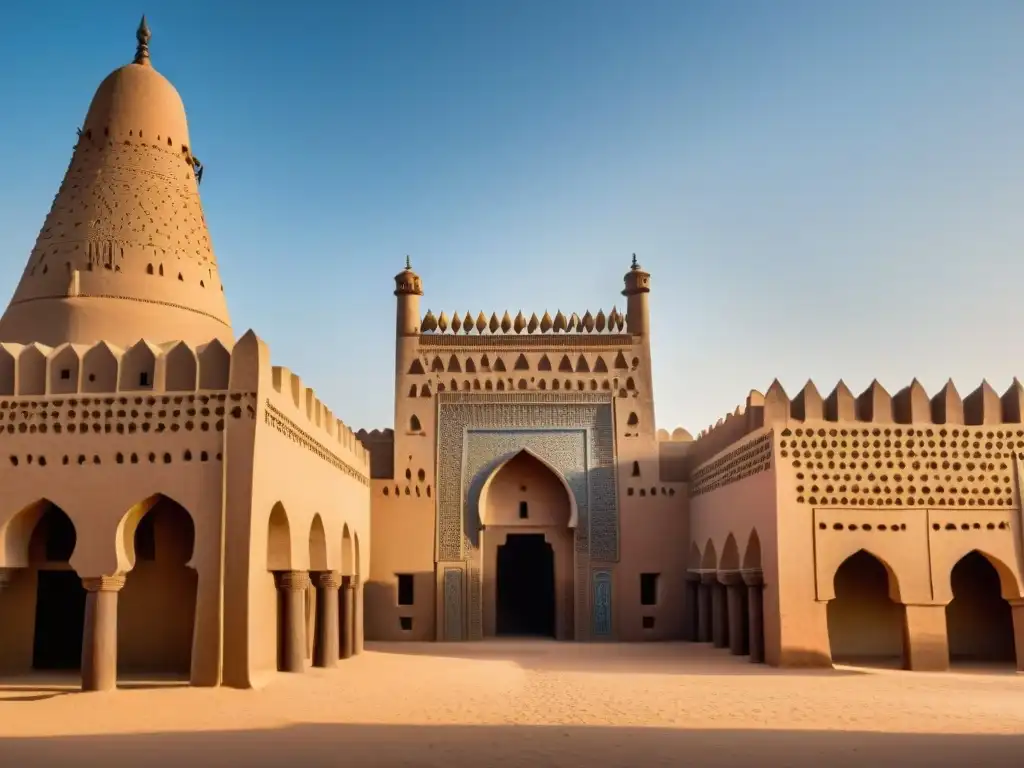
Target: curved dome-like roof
(136, 100)
(125, 253)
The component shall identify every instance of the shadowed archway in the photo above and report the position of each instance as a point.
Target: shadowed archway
(865, 625)
(43, 605)
(157, 606)
(979, 621)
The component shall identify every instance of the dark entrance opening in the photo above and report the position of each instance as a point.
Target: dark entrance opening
(526, 586)
(979, 622)
(60, 618)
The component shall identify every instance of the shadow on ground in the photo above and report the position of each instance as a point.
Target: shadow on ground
(624, 658)
(498, 746)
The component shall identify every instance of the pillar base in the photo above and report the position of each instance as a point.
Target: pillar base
(925, 642)
(291, 590)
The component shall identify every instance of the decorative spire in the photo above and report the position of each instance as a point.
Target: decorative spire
(142, 35)
(408, 263)
(635, 265)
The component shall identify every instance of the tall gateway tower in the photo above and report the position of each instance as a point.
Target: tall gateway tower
(124, 253)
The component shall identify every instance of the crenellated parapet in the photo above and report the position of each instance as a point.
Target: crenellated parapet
(613, 322)
(910, 405)
(678, 435)
(38, 373)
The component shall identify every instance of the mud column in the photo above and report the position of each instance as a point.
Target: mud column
(99, 635)
(704, 608)
(736, 609)
(719, 615)
(357, 616)
(1017, 607)
(327, 648)
(291, 591)
(925, 643)
(691, 598)
(755, 613)
(348, 617)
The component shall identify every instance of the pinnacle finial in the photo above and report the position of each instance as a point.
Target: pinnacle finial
(408, 262)
(636, 264)
(142, 35)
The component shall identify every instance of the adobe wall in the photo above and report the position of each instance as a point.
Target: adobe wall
(917, 482)
(321, 523)
(82, 431)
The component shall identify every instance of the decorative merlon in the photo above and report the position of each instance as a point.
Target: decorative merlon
(613, 322)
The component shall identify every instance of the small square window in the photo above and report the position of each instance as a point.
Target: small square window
(65, 373)
(648, 622)
(406, 589)
(144, 379)
(405, 622)
(649, 589)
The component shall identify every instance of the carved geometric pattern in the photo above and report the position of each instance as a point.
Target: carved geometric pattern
(749, 459)
(452, 604)
(430, 341)
(574, 433)
(276, 419)
(903, 466)
(602, 603)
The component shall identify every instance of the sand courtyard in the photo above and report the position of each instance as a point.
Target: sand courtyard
(512, 703)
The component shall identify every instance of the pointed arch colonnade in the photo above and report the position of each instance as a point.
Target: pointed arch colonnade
(724, 602)
(318, 606)
(103, 593)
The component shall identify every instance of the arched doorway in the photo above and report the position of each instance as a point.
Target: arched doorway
(865, 626)
(527, 510)
(279, 562)
(979, 622)
(60, 596)
(157, 606)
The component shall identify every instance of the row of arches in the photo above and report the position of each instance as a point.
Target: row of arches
(317, 593)
(34, 370)
(43, 601)
(867, 625)
(521, 363)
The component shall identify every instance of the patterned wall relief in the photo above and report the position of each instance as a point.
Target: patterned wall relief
(528, 416)
(452, 603)
(573, 433)
(602, 603)
(750, 458)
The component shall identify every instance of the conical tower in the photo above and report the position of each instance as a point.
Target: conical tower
(124, 253)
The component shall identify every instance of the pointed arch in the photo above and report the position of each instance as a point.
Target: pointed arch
(17, 536)
(416, 368)
(521, 364)
(600, 366)
(454, 366)
(317, 545)
(32, 370)
(730, 560)
(156, 509)
(865, 617)
(470, 365)
(752, 553)
(7, 368)
(544, 364)
(499, 365)
(979, 620)
(64, 370)
(138, 367)
(358, 565)
(582, 366)
(709, 561)
(348, 557)
(482, 499)
(437, 366)
(279, 539)
(565, 365)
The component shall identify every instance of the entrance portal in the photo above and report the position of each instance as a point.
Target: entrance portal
(526, 586)
(60, 617)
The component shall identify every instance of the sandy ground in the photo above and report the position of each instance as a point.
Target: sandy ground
(529, 704)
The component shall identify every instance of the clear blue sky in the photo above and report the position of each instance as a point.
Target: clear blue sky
(819, 189)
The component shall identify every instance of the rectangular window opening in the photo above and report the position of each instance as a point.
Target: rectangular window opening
(405, 622)
(65, 373)
(144, 379)
(649, 588)
(406, 592)
(524, 510)
(648, 622)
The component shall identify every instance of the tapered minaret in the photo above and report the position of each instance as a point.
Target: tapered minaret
(124, 253)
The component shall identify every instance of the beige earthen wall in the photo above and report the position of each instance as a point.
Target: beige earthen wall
(327, 514)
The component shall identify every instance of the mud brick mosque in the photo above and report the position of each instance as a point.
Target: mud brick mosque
(176, 503)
